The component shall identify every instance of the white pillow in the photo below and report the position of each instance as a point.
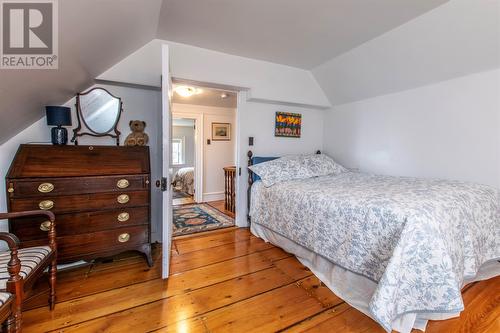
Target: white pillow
(321, 165)
(296, 167)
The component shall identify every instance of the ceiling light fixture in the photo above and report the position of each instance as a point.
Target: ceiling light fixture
(186, 91)
(224, 96)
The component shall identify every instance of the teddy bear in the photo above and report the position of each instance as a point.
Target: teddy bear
(137, 137)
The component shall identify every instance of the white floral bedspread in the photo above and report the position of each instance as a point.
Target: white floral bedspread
(184, 180)
(418, 239)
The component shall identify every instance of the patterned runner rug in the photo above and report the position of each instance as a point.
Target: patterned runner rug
(193, 218)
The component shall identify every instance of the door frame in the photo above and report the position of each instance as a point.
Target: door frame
(166, 139)
(241, 93)
(198, 146)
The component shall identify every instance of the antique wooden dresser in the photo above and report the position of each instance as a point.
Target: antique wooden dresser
(100, 195)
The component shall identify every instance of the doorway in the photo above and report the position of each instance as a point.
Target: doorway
(203, 145)
(183, 160)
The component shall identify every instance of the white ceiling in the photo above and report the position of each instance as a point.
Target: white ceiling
(298, 33)
(207, 97)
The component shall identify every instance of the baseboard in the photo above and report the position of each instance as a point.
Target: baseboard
(213, 196)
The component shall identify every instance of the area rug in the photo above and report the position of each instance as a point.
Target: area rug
(193, 218)
(180, 195)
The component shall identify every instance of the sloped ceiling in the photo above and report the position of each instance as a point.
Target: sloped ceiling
(315, 34)
(93, 35)
(298, 33)
(459, 38)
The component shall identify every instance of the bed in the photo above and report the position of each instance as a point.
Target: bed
(398, 249)
(184, 180)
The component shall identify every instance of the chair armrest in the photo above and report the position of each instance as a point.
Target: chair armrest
(14, 215)
(47, 213)
(14, 264)
(11, 240)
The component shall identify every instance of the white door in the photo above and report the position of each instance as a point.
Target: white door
(166, 120)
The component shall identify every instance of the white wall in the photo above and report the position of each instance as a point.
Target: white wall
(218, 154)
(257, 120)
(266, 81)
(38, 132)
(138, 104)
(446, 130)
(187, 134)
(460, 37)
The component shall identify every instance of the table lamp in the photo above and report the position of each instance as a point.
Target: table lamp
(58, 116)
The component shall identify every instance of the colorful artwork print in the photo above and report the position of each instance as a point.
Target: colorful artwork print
(288, 124)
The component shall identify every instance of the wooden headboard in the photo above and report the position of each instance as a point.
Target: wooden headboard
(250, 180)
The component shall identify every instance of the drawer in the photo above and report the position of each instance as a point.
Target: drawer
(41, 187)
(80, 203)
(30, 228)
(76, 247)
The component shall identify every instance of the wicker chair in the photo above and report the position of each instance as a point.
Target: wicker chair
(21, 267)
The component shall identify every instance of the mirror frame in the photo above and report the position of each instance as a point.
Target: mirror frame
(77, 132)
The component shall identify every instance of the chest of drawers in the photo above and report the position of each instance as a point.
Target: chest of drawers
(100, 195)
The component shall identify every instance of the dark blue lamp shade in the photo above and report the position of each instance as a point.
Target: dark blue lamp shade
(58, 116)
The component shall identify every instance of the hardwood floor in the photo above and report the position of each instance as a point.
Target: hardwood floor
(182, 201)
(220, 206)
(222, 281)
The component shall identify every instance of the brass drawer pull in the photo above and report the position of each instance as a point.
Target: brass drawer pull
(123, 238)
(46, 204)
(10, 189)
(122, 217)
(122, 183)
(45, 226)
(46, 188)
(123, 198)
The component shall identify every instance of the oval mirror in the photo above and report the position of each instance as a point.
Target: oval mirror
(99, 110)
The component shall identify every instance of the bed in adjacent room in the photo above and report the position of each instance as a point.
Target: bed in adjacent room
(398, 249)
(183, 180)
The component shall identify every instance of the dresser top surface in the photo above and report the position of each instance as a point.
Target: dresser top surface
(40, 161)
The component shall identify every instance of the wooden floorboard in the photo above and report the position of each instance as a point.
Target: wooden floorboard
(195, 259)
(220, 206)
(185, 306)
(208, 240)
(222, 281)
(482, 310)
(98, 277)
(342, 318)
(182, 201)
(108, 302)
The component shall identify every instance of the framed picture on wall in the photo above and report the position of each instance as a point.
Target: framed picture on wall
(221, 131)
(288, 124)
